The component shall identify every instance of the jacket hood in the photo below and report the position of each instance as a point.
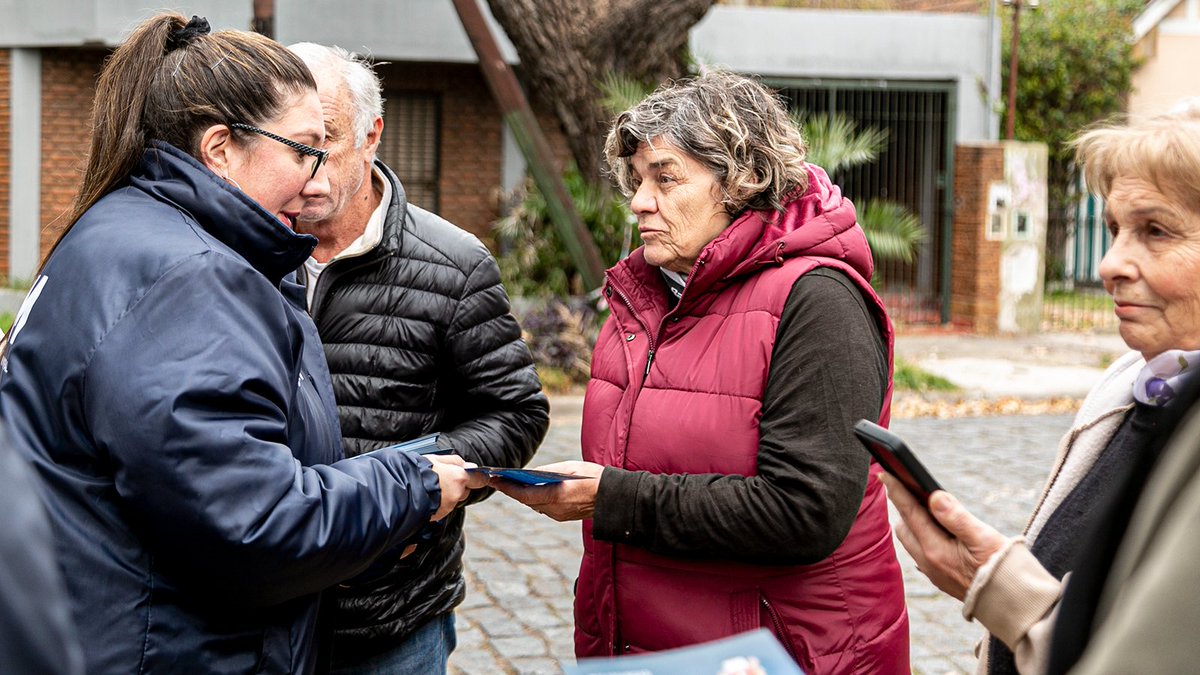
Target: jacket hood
(820, 223)
(228, 214)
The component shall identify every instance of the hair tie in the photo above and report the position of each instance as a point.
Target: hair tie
(183, 37)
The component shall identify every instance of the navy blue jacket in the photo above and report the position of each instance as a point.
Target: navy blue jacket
(168, 386)
(36, 632)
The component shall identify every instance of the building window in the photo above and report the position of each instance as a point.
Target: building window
(411, 138)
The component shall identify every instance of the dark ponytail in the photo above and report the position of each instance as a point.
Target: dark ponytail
(118, 138)
(170, 81)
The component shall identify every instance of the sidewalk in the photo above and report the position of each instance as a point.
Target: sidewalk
(1029, 367)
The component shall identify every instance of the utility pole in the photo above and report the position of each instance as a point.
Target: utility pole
(264, 18)
(1013, 61)
(534, 146)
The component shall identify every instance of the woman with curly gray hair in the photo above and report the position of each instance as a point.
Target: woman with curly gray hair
(723, 487)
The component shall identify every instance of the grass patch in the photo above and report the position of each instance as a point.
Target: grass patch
(1081, 300)
(1077, 310)
(908, 377)
(556, 380)
(6, 320)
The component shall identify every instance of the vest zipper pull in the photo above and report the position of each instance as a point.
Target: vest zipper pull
(649, 360)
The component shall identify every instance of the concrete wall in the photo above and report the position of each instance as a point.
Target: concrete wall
(5, 156)
(400, 30)
(861, 45)
(25, 190)
(1022, 260)
(49, 23)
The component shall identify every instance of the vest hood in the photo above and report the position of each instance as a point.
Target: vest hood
(820, 223)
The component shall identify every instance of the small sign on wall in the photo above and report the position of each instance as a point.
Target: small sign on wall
(1022, 225)
(999, 204)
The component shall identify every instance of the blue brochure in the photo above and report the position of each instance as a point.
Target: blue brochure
(427, 445)
(526, 476)
(752, 653)
(424, 445)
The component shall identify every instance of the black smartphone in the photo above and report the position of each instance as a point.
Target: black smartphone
(894, 456)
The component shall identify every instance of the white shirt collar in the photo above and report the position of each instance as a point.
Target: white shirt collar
(373, 232)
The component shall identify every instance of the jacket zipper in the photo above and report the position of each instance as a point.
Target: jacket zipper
(333, 271)
(616, 646)
(779, 629)
(649, 336)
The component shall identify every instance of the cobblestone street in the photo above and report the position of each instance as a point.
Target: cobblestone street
(521, 566)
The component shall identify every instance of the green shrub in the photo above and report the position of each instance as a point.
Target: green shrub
(561, 335)
(557, 381)
(533, 260)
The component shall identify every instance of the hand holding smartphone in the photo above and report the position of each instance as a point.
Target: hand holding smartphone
(894, 456)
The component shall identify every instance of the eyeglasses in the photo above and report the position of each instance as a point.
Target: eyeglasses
(303, 149)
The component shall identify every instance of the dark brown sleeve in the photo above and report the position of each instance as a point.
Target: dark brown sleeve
(828, 369)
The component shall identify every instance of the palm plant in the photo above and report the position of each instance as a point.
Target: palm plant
(834, 144)
(893, 232)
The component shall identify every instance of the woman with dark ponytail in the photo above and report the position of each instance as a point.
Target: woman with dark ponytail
(169, 389)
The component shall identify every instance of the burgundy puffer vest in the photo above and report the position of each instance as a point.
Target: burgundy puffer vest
(681, 392)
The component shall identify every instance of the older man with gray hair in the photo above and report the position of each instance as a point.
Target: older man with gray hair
(419, 338)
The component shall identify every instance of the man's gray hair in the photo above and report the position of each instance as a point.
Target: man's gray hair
(359, 78)
(731, 124)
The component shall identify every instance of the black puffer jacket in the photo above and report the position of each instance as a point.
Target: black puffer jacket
(419, 339)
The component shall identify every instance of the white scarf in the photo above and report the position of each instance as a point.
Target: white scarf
(1164, 376)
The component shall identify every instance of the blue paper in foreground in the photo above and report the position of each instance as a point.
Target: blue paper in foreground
(753, 653)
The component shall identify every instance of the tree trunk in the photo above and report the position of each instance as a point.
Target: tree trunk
(567, 47)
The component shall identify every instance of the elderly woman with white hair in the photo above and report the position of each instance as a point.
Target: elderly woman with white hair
(726, 490)
(1146, 171)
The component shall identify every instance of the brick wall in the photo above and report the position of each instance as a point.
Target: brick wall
(5, 154)
(470, 138)
(975, 272)
(470, 147)
(68, 85)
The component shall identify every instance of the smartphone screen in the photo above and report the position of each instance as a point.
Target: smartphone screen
(897, 459)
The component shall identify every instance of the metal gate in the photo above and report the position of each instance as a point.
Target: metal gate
(1077, 301)
(914, 169)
